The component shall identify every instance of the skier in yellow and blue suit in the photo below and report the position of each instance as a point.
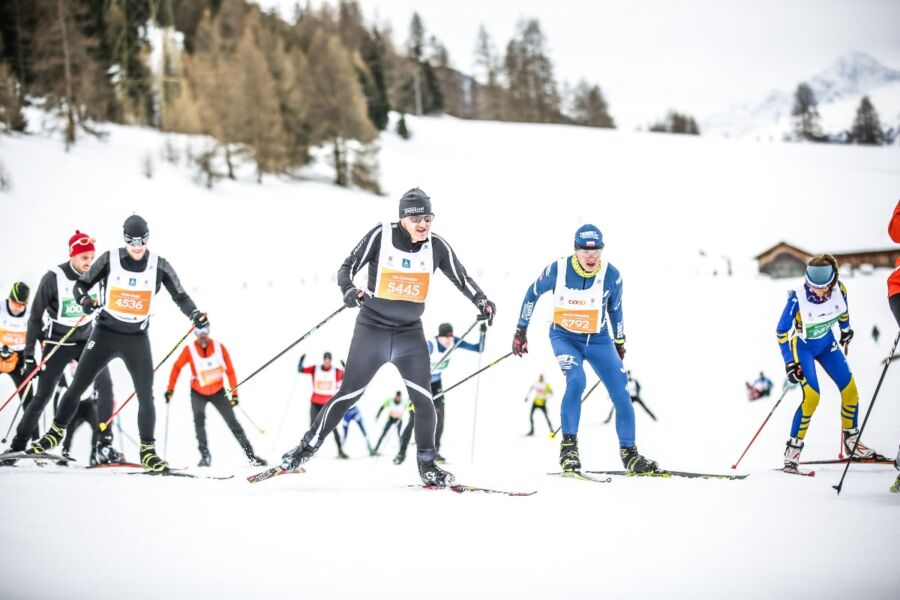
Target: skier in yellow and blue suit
(811, 311)
(588, 304)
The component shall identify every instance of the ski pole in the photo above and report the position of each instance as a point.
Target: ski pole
(453, 347)
(16, 414)
(593, 387)
(124, 434)
(780, 398)
(478, 372)
(475, 412)
(40, 366)
(866, 419)
(106, 423)
(277, 356)
(246, 416)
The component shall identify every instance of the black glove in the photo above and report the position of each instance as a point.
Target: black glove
(520, 341)
(486, 310)
(620, 348)
(234, 399)
(794, 372)
(353, 298)
(846, 336)
(482, 328)
(88, 304)
(28, 364)
(168, 395)
(199, 319)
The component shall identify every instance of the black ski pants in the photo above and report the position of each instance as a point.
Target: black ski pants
(220, 403)
(391, 422)
(543, 409)
(103, 346)
(436, 388)
(314, 410)
(370, 349)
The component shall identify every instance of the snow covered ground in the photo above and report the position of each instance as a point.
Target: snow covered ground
(262, 259)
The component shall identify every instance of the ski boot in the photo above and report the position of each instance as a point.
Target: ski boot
(65, 454)
(432, 474)
(636, 463)
(106, 454)
(896, 487)
(398, 460)
(256, 461)
(151, 460)
(205, 457)
(568, 453)
(342, 454)
(296, 456)
(862, 451)
(50, 440)
(15, 446)
(792, 451)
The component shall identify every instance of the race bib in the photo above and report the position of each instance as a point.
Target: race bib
(127, 302)
(577, 321)
(397, 285)
(324, 387)
(70, 308)
(13, 339)
(210, 376)
(817, 330)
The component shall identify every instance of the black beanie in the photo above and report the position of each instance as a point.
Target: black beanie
(415, 202)
(20, 292)
(445, 329)
(135, 227)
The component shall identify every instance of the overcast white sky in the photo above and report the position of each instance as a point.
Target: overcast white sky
(699, 56)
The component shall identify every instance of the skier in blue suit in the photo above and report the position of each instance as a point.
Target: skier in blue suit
(588, 304)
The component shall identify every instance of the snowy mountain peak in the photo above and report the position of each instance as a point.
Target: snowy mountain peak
(852, 74)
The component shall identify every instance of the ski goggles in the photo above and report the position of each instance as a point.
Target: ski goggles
(85, 241)
(419, 218)
(137, 242)
(198, 331)
(589, 251)
(820, 276)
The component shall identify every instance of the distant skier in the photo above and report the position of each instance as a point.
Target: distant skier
(131, 277)
(811, 311)
(406, 436)
(437, 346)
(634, 391)
(326, 381)
(87, 413)
(354, 415)
(210, 363)
(14, 359)
(760, 388)
(402, 258)
(395, 407)
(876, 333)
(587, 293)
(539, 393)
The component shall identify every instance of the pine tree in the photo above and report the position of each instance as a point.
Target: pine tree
(806, 115)
(533, 92)
(373, 53)
(676, 122)
(11, 116)
(490, 96)
(589, 107)
(337, 110)
(867, 126)
(415, 45)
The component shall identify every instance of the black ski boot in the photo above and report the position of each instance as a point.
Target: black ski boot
(256, 461)
(151, 460)
(568, 453)
(205, 457)
(16, 445)
(296, 456)
(64, 463)
(636, 463)
(106, 454)
(432, 474)
(50, 440)
(398, 460)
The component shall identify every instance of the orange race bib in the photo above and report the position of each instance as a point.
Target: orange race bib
(12, 338)
(324, 387)
(577, 321)
(211, 376)
(130, 303)
(397, 285)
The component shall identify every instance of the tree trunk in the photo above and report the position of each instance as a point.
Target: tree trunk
(67, 65)
(228, 161)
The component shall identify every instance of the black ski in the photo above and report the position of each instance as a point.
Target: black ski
(881, 460)
(26, 456)
(116, 465)
(171, 473)
(581, 476)
(274, 472)
(462, 489)
(670, 474)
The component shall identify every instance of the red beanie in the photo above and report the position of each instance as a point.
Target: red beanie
(80, 242)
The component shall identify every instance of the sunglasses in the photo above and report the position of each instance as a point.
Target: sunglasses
(137, 242)
(589, 251)
(419, 218)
